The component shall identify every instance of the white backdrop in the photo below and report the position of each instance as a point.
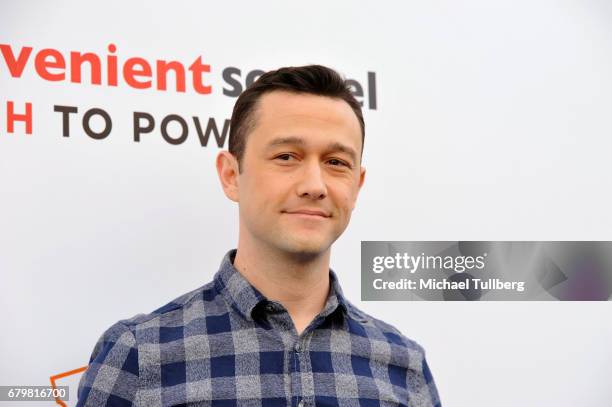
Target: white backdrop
(492, 123)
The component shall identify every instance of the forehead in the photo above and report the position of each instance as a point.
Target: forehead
(281, 113)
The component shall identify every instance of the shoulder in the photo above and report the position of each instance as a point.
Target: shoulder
(404, 357)
(379, 329)
(174, 313)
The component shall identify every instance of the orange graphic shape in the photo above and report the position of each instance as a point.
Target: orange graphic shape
(61, 375)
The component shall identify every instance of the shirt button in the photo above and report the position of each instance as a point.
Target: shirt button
(298, 348)
(270, 307)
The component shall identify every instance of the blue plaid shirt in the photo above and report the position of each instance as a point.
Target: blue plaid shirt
(225, 344)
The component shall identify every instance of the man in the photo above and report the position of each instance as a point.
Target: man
(273, 327)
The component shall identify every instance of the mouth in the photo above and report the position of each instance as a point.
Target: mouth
(308, 214)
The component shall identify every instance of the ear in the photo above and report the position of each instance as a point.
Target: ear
(362, 173)
(227, 169)
(362, 177)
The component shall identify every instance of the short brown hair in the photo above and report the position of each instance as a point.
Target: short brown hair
(312, 79)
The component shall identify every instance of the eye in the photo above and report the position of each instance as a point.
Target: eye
(284, 157)
(335, 162)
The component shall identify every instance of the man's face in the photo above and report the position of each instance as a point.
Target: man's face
(301, 172)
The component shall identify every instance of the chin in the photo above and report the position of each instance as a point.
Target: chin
(305, 249)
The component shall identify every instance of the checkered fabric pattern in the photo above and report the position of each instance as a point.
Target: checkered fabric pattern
(225, 344)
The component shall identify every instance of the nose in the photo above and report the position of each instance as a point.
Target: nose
(311, 183)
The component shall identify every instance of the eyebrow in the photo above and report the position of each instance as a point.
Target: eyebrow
(333, 146)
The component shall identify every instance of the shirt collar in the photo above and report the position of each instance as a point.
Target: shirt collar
(243, 296)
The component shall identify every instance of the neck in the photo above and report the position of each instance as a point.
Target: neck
(300, 283)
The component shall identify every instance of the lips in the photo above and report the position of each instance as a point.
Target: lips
(311, 212)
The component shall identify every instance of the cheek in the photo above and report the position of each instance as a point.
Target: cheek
(346, 191)
(343, 197)
(264, 194)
